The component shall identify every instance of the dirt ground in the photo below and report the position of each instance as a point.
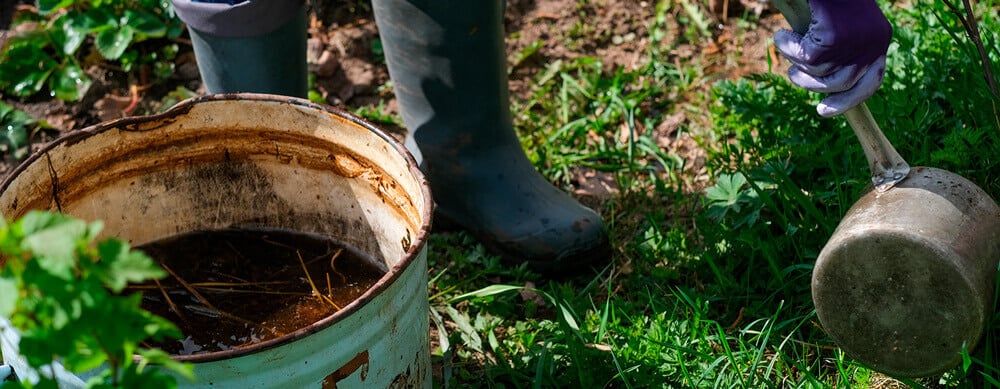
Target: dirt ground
(349, 73)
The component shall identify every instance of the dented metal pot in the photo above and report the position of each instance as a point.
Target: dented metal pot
(906, 281)
(249, 160)
(907, 278)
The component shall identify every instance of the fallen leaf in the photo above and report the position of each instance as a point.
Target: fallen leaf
(530, 294)
(665, 130)
(590, 182)
(112, 107)
(326, 65)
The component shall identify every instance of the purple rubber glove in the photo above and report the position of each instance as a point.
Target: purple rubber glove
(842, 54)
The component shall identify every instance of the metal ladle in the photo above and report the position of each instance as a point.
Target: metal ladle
(907, 278)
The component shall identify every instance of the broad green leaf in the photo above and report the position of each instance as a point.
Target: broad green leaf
(25, 64)
(8, 296)
(55, 246)
(48, 6)
(60, 317)
(100, 381)
(5, 109)
(18, 117)
(69, 82)
(175, 96)
(93, 229)
(38, 347)
(111, 43)
(132, 377)
(145, 24)
(14, 135)
(567, 316)
(159, 329)
(125, 266)
(162, 359)
(81, 322)
(129, 60)
(316, 97)
(491, 290)
(726, 189)
(443, 343)
(14, 125)
(469, 335)
(85, 358)
(71, 28)
(130, 326)
(100, 19)
(728, 195)
(35, 221)
(46, 383)
(31, 83)
(175, 30)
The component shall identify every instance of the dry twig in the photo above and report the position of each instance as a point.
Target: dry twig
(207, 305)
(170, 302)
(313, 285)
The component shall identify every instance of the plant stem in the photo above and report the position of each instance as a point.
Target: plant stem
(971, 25)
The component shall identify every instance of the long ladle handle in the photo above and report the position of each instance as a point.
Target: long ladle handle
(887, 166)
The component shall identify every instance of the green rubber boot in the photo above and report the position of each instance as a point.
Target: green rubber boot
(447, 61)
(251, 46)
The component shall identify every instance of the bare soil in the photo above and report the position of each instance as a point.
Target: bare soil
(350, 74)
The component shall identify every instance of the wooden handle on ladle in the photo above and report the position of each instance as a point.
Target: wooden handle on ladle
(887, 166)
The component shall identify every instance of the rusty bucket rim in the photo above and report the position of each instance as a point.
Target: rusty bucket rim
(183, 107)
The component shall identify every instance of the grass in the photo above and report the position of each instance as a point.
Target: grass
(709, 286)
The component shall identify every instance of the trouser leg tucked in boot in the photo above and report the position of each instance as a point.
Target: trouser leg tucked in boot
(447, 61)
(254, 46)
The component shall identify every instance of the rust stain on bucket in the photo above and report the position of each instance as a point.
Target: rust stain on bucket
(359, 361)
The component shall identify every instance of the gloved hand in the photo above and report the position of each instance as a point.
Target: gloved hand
(842, 53)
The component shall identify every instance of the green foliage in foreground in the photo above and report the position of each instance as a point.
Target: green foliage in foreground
(711, 288)
(59, 289)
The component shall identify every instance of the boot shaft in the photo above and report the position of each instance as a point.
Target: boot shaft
(240, 50)
(447, 60)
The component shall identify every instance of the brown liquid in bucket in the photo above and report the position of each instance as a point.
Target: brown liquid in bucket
(252, 285)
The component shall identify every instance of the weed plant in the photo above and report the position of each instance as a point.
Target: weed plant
(62, 290)
(16, 127)
(710, 287)
(52, 46)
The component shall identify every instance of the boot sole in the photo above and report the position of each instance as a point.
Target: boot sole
(587, 260)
